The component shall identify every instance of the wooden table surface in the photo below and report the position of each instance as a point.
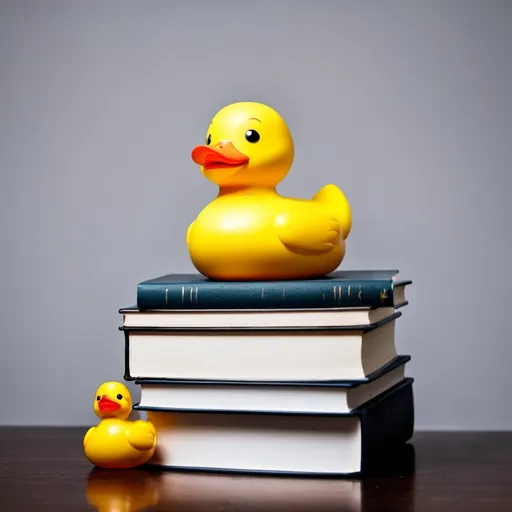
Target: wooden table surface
(45, 469)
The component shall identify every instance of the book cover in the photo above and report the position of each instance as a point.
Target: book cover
(343, 288)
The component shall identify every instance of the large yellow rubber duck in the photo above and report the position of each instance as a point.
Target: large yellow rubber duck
(117, 442)
(250, 232)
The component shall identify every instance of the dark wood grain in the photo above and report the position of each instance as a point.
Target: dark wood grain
(45, 469)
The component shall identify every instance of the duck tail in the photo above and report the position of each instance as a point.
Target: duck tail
(338, 206)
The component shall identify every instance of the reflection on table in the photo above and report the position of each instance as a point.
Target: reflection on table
(149, 489)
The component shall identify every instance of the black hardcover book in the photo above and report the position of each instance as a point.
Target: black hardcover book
(289, 444)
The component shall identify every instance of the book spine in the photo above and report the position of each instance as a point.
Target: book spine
(260, 295)
(387, 425)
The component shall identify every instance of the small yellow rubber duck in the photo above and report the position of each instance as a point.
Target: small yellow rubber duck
(117, 442)
(250, 232)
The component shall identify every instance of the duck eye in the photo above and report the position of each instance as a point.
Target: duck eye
(119, 396)
(209, 140)
(252, 136)
(98, 398)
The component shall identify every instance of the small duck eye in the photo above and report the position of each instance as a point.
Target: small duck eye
(252, 136)
(209, 140)
(119, 396)
(98, 398)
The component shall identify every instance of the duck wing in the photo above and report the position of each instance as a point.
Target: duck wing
(141, 435)
(335, 202)
(307, 228)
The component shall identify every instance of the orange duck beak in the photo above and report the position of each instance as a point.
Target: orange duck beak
(108, 405)
(221, 156)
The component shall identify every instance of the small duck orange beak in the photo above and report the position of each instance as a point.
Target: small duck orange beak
(108, 405)
(221, 156)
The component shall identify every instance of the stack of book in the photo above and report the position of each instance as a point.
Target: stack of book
(280, 377)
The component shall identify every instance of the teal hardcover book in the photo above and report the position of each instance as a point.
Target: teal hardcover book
(340, 289)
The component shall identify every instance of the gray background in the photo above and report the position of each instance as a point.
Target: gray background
(407, 106)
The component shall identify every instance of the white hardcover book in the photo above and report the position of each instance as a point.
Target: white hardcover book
(329, 317)
(306, 398)
(260, 355)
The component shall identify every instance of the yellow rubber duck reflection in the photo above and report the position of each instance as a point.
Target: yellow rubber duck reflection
(111, 490)
(249, 231)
